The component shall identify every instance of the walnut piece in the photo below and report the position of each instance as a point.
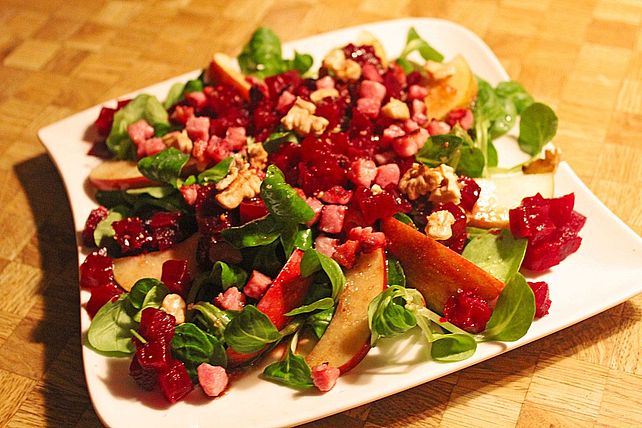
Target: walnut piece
(345, 69)
(302, 120)
(257, 155)
(174, 305)
(179, 140)
(440, 182)
(322, 93)
(552, 158)
(439, 70)
(241, 182)
(396, 109)
(439, 225)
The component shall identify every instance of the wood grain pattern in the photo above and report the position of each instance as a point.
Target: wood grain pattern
(584, 57)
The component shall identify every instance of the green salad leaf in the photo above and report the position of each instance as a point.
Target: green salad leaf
(395, 272)
(259, 232)
(321, 304)
(213, 319)
(292, 370)
(282, 200)
(513, 313)
(217, 172)
(194, 346)
(250, 331)
(313, 261)
(164, 167)
(497, 252)
(228, 275)
(104, 229)
(110, 330)
(538, 126)
(414, 43)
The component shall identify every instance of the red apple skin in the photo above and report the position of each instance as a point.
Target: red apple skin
(128, 270)
(435, 270)
(118, 175)
(347, 339)
(221, 71)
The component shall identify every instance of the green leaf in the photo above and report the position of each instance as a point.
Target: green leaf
(537, 126)
(516, 93)
(292, 371)
(250, 331)
(174, 95)
(513, 313)
(194, 346)
(215, 320)
(300, 63)
(320, 321)
(314, 261)
(262, 231)
(164, 167)
(405, 219)
(295, 236)
(441, 149)
(497, 252)
(142, 202)
(282, 200)
(140, 290)
(228, 275)
(156, 192)
(322, 304)
(414, 42)
(194, 85)
(216, 173)
(267, 260)
(471, 163)
(104, 228)
(453, 347)
(274, 142)
(142, 107)
(388, 314)
(396, 275)
(110, 329)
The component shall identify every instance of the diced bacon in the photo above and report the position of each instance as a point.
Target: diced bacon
(150, 147)
(198, 150)
(462, 116)
(405, 146)
(218, 149)
(235, 135)
(384, 157)
(196, 99)
(369, 107)
(370, 72)
(362, 172)
(231, 300)
(367, 238)
(410, 125)
(346, 253)
(285, 102)
(181, 114)
(213, 379)
(325, 377)
(336, 195)
(420, 136)
(140, 131)
(372, 89)
(316, 206)
(387, 174)
(437, 127)
(392, 132)
(325, 245)
(198, 128)
(190, 193)
(257, 285)
(418, 112)
(417, 92)
(332, 217)
(326, 82)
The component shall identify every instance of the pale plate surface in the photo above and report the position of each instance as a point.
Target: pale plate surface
(606, 271)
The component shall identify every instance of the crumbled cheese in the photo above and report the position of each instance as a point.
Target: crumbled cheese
(439, 225)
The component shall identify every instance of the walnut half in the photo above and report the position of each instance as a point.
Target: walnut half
(302, 120)
(241, 182)
(440, 182)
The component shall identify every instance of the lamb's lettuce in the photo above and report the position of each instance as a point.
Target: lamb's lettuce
(250, 331)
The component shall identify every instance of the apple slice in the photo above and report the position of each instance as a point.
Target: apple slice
(455, 91)
(128, 270)
(118, 175)
(347, 339)
(435, 270)
(504, 192)
(222, 70)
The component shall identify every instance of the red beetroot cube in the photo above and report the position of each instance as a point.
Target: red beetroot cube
(131, 235)
(96, 270)
(468, 311)
(101, 295)
(154, 355)
(469, 193)
(176, 276)
(95, 216)
(175, 382)
(332, 218)
(542, 300)
(251, 209)
(157, 325)
(145, 378)
(336, 195)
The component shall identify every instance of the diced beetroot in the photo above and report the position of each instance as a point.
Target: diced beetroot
(154, 355)
(549, 253)
(140, 131)
(464, 117)
(130, 235)
(362, 172)
(374, 207)
(150, 147)
(190, 193)
(325, 377)
(469, 192)
(285, 102)
(326, 245)
(251, 209)
(101, 295)
(145, 378)
(363, 54)
(387, 174)
(371, 72)
(373, 90)
(156, 325)
(257, 285)
(367, 238)
(417, 92)
(332, 218)
(346, 253)
(278, 83)
(468, 311)
(230, 300)
(196, 99)
(175, 382)
(95, 216)
(336, 195)
(198, 128)
(394, 80)
(370, 107)
(96, 270)
(542, 301)
(176, 276)
(437, 127)
(213, 379)
(104, 121)
(316, 206)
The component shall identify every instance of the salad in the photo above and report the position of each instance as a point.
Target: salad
(307, 215)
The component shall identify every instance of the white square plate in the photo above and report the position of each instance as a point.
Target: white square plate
(606, 271)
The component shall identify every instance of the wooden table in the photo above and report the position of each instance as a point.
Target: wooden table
(583, 57)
